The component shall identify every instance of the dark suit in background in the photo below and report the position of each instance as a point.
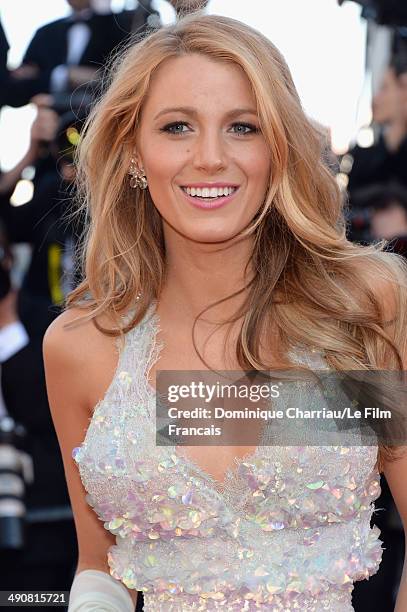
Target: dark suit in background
(48, 47)
(14, 92)
(378, 165)
(3, 64)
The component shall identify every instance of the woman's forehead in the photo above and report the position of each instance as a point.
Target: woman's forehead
(189, 79)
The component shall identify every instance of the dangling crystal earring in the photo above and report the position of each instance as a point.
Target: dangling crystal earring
(138, 178)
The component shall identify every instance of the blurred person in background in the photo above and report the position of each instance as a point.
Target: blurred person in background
(38, 509)
(69, 52)
(386, 160)
(41, 221)
(388, 214)
(15, 91)
(61, 56)
(389, 112)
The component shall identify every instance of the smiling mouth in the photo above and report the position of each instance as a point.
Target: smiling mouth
(209, 198)
(209, 194)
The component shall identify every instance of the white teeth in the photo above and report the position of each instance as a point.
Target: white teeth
(206, 192)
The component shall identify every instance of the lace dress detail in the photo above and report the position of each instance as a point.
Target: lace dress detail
(288, 529)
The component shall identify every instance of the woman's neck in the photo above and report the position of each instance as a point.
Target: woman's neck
(197, 275)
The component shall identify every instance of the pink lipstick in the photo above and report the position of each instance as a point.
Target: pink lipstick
(210, 203)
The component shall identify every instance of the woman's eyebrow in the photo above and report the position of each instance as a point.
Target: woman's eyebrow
(192, 111)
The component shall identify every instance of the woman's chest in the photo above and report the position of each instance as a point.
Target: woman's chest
(213, 367)
(162, 492)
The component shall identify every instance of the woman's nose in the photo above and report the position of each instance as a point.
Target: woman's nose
(210, 152)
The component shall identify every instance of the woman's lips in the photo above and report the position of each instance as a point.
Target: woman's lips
(207, 204)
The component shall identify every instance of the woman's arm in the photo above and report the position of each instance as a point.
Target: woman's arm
(69, 358)
(396, 476)
(395, 471)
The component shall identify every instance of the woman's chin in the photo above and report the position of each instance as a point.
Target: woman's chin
(204, 231)
(211, 235)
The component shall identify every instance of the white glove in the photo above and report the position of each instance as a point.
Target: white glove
(96, 591)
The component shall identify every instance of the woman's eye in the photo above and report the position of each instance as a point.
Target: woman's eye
(247, 126)
(244, 128)
(170, 128)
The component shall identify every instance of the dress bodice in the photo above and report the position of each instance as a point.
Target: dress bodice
(289, 529)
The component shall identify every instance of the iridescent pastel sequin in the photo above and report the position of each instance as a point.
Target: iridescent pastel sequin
(289, 529)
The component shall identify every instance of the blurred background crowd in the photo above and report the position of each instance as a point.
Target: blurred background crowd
(60, 75)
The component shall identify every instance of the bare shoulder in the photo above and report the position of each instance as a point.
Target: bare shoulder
(61, 336)
(80, 354)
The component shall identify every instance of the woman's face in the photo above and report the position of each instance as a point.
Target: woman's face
(387, 103)
(389, 222)
(213, 141)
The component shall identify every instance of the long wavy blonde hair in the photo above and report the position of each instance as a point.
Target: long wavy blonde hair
(317, 287)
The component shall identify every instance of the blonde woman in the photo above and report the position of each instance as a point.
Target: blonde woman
(216, 240)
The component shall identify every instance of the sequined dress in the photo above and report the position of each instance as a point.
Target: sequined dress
(289, 529)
